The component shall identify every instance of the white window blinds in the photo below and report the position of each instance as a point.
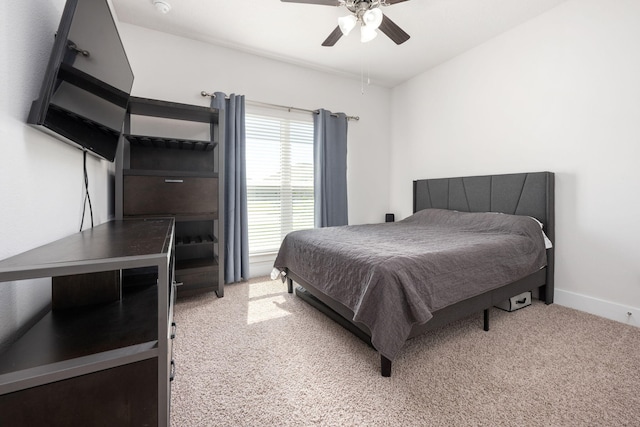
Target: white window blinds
(279, 154)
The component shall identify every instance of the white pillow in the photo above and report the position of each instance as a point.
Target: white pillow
(547, 242)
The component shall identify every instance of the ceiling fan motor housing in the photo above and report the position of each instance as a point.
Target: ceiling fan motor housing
(359, 7)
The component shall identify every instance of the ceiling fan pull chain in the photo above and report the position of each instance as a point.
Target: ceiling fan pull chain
(362, 66)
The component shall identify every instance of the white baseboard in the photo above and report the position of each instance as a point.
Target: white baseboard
(602, 308)
(261, 265)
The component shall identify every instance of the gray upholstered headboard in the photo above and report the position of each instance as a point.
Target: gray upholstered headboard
(529, 194)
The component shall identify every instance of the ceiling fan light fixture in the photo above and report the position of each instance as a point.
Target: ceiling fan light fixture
(372, 18)
(367, 13)
(347, 23)
(367, 33)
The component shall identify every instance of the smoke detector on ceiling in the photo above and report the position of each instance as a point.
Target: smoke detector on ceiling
(162, 6)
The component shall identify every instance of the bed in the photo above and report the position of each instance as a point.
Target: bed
(455, 256)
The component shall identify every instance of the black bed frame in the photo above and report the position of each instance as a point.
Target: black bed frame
(530, 194)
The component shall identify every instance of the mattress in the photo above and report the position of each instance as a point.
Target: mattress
(395, 275)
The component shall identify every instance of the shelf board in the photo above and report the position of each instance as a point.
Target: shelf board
(199, 216)
(196, 265)
(95, 86)
(69, 369)
(81, 120)
(66, 341)
(108, 246)
(172, 110)
(148, 141)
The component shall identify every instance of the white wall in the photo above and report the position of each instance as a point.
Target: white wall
(41, 178)
(559, 93)
(178, 69)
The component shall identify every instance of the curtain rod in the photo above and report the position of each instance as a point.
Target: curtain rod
(266, 104)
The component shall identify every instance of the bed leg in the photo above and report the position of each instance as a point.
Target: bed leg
(385, 366)
(289, 285)
(486, 319)
(545, 293)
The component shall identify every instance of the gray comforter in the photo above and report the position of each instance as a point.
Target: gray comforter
(394, 275)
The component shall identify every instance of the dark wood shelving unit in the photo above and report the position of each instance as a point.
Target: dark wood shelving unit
(80, 361)
(178, 176)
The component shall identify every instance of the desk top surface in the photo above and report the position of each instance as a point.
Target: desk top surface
(121, 239)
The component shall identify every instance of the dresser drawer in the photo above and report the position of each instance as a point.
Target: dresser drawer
(170, 195)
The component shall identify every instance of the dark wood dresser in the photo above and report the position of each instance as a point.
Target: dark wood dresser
(103, 354)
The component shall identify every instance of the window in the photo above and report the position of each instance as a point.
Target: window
(279, 154)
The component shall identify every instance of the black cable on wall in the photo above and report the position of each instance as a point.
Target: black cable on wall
(86, 191)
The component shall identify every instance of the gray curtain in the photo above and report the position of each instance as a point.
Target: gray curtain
(236, 235)
(330, 168)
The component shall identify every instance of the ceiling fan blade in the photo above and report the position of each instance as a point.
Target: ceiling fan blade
(333, 37)
(320, 2)
(392, 30)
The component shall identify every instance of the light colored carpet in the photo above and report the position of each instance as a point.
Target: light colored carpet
(262, 357)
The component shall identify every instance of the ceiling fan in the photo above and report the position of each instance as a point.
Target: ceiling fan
(368, 14)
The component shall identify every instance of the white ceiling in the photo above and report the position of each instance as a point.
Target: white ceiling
(291, 32)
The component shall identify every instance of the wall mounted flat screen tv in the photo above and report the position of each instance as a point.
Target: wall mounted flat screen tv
(84, 96)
